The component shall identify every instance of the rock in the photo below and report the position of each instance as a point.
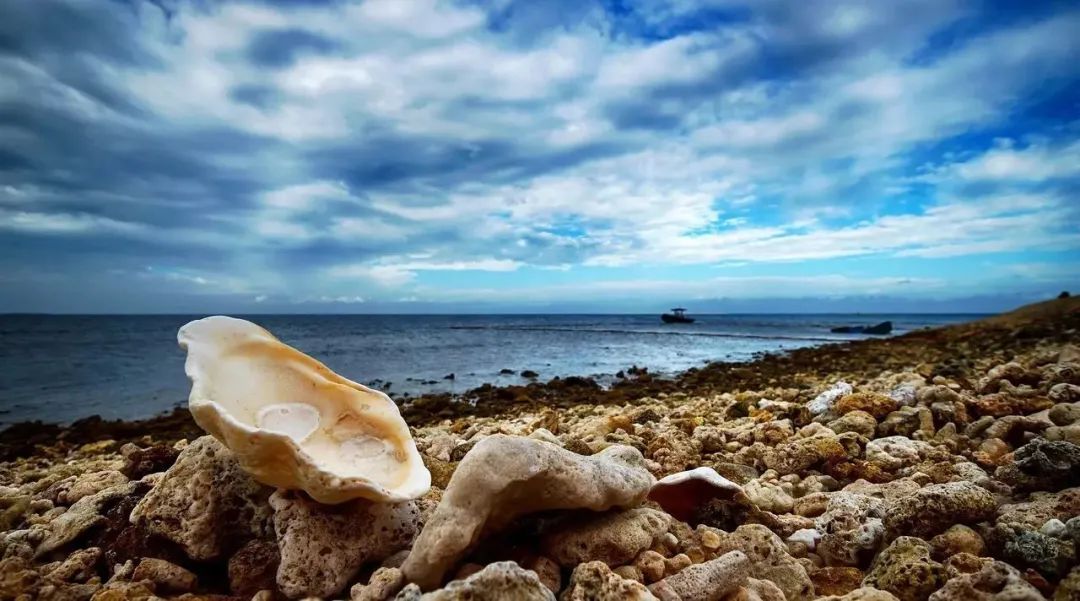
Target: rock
(859, 422)
(827, 399)
(1013, 372)
(758, 590)
(254, 568)
(498, 581)
(1040, 507)
(80, 517)
(851, 527)
(681, 494)
(936, 507)
(323, 546)
(547, 570)
(383, 584)
(770, 560)
(1069, 588)
(79, 566)
(863, 594)
(1053, 527)
(614, 538)
(594, 581)
(837, 580)
(896, 452)
(905, 569)
(1064, 414)
(140, 462)
(504, 477)
(1043, 465)
(769, 497)
(1051, 556)
(674, 450)
(89, 484)
(800, 454)
(877, 405)
(651, 565)
(528, 373)
(957, 539)
(709, 581)
(995, 581)
(167, 577)
(206, 503)
(1064, 393)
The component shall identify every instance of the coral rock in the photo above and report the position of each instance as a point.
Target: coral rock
(167, 577)
(594, 581)
(80, 517)
(906, 570)
(496, 582)
(504, 477)
(836, 580)
(867, 593)
(613, 538)
(936, 507)
(877, 405)
(253, 568)
(384, 584)
(995, 581)
(206, 503)
(709, 581)
(322, 546)
(1043, 465)
(957, 539)
(770, 560)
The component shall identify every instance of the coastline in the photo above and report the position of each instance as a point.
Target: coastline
(937, 465)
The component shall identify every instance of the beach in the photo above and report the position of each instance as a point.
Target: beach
(939, 464)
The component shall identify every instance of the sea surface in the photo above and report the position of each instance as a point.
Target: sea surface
(59, 368)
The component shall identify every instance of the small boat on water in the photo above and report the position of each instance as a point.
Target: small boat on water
(677, 315)
(880, 329)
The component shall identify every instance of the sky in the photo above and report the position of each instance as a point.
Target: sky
(319, 156)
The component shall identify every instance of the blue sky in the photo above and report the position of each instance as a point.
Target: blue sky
(505, 155)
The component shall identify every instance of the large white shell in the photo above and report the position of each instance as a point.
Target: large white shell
(292, 422)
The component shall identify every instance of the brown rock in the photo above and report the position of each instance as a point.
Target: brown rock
(594, 581)
(770, 560)
(383, 584)
(709, 581)
(614, 538)
(936, 507)
(253, 568)
(836, 580)
(957, 539)
(906, 570)
(877, 405)
(167, 577)
(995, 581)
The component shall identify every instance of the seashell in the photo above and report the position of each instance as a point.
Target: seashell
(682, 493)
(292, 422)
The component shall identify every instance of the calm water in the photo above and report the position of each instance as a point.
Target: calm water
(61, 368)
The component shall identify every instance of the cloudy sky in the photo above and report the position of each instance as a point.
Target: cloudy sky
(514, 155)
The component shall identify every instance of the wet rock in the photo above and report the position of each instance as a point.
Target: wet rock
(770, 560)
(905, 569)
(84, 514)
(322, 547)
(994, 581)
(206, 503)
(936, 507)
(877, 405)
(1043, 465)
(957, 539)
(167, 577)
(254, 568)
(497, 581)
(594, 581)
(614, 538)
(505, 477)
(681, 494)
(383, 584)
(709, 581)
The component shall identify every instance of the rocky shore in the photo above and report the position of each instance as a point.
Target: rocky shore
(943, 465)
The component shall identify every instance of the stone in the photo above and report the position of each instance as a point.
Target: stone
(504, 477)
(896, 452)
(1053, 527)
(682, 493)
(254, 568)
(89, 484)
(769, 497)
(800, 454)
(851, 527)
(994, 581)
(80, 517)
(936, 507)
(595, 581)
(547, 570)
(859, 422)
(139, 462)
(167, 577)
(825, 401)
(877, 405)
(1064, 414)
(957, 539)
(905, 569)
(837, 580)
(383, 584)
(1064, 393)
(1013, 372)
(614, 538)
(206, 503)
(1051, 556)
(1043, 465)
(496, 582)
(709, 581)
(652, 566)
(79, 566)
(866, 593)
(322, 547)
(770, 560)
(1041, 507)
(758, 590)
(1069, 587)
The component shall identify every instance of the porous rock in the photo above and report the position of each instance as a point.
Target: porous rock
(770, 560)
(166, 576)
(89, 484)
(383, 584)
(936, 507)
(253, 568)
(709, 581)
(323, 546)
(504, 477)
(80, 517)
(614, 538)
(994, 581)
(905, 569)
(496, 582)
(1043, 465)
(206, 503)
(594, 581)
(866, 593)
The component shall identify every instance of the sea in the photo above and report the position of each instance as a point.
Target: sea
(60, 368)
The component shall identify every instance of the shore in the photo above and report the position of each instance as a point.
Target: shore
(944, 465)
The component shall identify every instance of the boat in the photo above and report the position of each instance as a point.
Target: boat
(677, 315)
(880, 329)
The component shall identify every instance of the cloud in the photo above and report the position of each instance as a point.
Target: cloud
(309, 148)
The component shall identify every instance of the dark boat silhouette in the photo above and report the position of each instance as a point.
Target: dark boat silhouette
(677, 315)
(884, 327)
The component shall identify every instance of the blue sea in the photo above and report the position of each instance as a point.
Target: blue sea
(59, 368)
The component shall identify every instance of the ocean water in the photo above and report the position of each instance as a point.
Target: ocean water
(61, 368)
